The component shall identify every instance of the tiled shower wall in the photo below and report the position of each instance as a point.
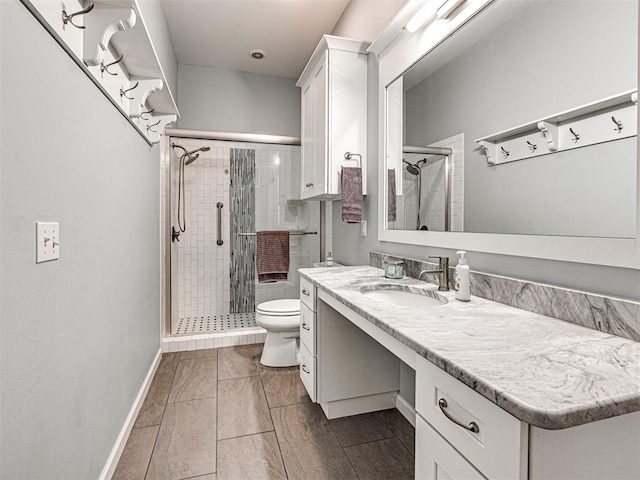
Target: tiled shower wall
(200, 269)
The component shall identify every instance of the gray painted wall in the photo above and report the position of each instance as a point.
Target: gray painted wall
(78, 334)
(229, 101)
(552, 57)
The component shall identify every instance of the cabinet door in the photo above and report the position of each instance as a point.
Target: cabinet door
(437, 460)
(314, 132)
(320, 104)
(308, 149)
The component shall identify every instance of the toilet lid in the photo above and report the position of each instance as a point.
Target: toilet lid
(280, 307)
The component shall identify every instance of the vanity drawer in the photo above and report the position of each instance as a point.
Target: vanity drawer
(498, 447)
(308, 328)
(308, 371)
(308, 294)
(437, 460)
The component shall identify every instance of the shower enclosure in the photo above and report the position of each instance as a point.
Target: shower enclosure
(232, 189)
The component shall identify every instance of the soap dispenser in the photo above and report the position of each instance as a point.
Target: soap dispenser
(463, 290)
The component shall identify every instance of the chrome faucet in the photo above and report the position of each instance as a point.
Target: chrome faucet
(443, 270)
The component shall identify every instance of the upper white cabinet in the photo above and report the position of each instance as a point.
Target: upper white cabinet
(334, 116)
(109, 40)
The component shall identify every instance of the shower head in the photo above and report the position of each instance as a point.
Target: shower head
(190, 157)
(414, 168)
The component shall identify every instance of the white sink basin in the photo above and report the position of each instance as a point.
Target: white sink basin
(403, 295)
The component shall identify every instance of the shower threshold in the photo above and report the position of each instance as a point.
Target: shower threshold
(231, 322)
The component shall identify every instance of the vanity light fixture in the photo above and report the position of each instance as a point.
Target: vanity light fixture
(426, 14)
(446, 10)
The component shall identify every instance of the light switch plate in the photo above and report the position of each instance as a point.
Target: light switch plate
(47, 241)
(363, 228)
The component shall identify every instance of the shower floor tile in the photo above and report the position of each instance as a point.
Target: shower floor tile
(215, 323)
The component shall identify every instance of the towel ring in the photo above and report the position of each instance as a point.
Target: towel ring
(349, 155)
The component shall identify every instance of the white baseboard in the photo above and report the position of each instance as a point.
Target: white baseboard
(358, 405)
(121, 441)
(406, 410)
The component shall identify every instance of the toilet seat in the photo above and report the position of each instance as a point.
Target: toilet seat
(280, 308)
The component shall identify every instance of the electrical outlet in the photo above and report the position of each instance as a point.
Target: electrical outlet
(47, 241)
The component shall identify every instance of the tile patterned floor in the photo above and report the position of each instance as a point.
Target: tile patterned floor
(219, 414)
(215, 324)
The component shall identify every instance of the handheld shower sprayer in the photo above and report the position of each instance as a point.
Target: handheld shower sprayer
(186, 158)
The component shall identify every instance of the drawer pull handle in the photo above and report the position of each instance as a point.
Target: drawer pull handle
(305, 326)
(304, 368)
(472, 427)
(305, 292)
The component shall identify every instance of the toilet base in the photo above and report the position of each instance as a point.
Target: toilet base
(281, 349)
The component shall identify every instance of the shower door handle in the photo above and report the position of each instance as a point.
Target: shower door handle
(219, 206)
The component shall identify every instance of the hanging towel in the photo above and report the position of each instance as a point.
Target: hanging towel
(351, 194)
(391, 195)
(272, 256)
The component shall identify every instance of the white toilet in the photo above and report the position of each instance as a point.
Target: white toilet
(281, 320)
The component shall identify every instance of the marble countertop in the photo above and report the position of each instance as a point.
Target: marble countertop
(549, 373)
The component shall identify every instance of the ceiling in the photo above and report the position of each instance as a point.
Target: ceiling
(221, 33)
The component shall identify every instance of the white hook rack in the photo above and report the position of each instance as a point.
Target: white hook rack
(605, 120)
(114, 37)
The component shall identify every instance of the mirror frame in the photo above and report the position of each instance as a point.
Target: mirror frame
(397, 51)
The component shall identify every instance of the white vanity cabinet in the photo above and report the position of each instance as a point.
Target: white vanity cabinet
(343, 369)
(334, 115)
(308, 337)
(483, 435)
(469, 437)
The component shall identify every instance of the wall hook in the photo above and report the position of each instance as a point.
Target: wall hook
(618, 124)
(105, 68)
(144, 113)
(150, 127)
(532, 146)
(576, 137)
(66, 18)
(123, 93)
(505, 153)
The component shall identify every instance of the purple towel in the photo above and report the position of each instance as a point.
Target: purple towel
(272, 256)
(351, 194)
(391, 195)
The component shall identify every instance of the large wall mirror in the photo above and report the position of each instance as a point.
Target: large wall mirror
(522, 122)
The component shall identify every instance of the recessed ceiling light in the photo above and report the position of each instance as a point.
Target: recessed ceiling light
(258, 54)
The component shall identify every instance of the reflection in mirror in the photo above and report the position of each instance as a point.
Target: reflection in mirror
(536, 100)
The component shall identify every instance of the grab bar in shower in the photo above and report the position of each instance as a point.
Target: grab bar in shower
(219, 206)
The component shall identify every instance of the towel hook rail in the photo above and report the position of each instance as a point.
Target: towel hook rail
(349, 155)
(123, 93)
(105, 68)
(68, 18)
